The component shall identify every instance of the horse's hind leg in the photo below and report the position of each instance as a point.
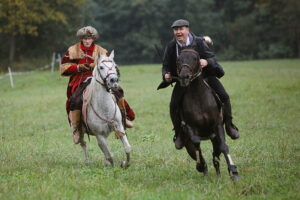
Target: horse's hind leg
(104, 147)
(84, 148)
(127, 148)
(232, 169)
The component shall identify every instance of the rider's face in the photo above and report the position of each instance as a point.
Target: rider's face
(181, 33)
(87, 42)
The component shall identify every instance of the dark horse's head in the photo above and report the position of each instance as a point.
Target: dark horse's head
(188, 66)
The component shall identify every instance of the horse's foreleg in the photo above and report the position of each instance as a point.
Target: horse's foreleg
(102, 143)
(84, 148)
(127, 149)
(232, 169)
(200, 162)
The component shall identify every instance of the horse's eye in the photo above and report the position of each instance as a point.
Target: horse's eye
(101, 67)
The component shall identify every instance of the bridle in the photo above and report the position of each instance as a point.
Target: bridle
(103, 80)
(180, 66)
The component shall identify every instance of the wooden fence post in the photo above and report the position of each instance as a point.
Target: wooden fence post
(11, 78)
(53, 62)
(58, 60)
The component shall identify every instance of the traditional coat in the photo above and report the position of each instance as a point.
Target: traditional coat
(69, 63)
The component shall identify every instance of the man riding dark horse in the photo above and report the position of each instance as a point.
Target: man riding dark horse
(183, 39)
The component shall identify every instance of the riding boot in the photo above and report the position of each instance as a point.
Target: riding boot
(75, 116)
(126, 121)
(230, 128)
(177, 139)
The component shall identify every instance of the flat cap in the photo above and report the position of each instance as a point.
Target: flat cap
(180, 22)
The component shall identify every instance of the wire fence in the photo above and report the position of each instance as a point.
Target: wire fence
(56, 59)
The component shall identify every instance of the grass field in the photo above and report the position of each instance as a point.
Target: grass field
(39, 161)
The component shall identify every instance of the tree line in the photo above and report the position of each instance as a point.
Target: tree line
(240, 29)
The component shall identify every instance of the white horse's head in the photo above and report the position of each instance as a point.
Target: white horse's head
(106, 72)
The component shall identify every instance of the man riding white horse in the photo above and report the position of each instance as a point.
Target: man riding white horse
(183, 39)
(78, 63)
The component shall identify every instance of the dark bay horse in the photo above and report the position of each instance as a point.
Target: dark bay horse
(201, 116)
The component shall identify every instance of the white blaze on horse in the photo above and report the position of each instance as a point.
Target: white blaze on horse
(101, 112)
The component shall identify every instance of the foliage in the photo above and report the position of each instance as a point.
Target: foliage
(22, 17)
(26, 22)
(39, 161)
(248, 29)
(285, 15)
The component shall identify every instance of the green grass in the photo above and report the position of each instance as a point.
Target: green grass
(39, 161)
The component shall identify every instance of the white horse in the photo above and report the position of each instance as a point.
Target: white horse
(102, 112)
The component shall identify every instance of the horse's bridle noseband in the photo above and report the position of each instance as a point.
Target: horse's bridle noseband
(180, 66)
(104, 80)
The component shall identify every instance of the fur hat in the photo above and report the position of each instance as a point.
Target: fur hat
(87, 31)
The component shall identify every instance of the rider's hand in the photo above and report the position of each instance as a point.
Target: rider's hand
(91, 65)
(83, 68)
(203, 63)
(168, 77)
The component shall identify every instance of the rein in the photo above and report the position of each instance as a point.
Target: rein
(110, 122)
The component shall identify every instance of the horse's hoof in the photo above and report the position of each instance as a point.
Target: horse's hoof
(125, 164)
(235, 178)
(109, 163)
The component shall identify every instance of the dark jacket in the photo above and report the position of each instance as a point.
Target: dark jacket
(198, 44)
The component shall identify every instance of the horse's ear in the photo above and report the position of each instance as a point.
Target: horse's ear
(112, 54)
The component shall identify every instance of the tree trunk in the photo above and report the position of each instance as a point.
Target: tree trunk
(12, 49)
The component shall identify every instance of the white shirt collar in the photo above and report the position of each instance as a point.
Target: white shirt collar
(186, 44)
(179, 44)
